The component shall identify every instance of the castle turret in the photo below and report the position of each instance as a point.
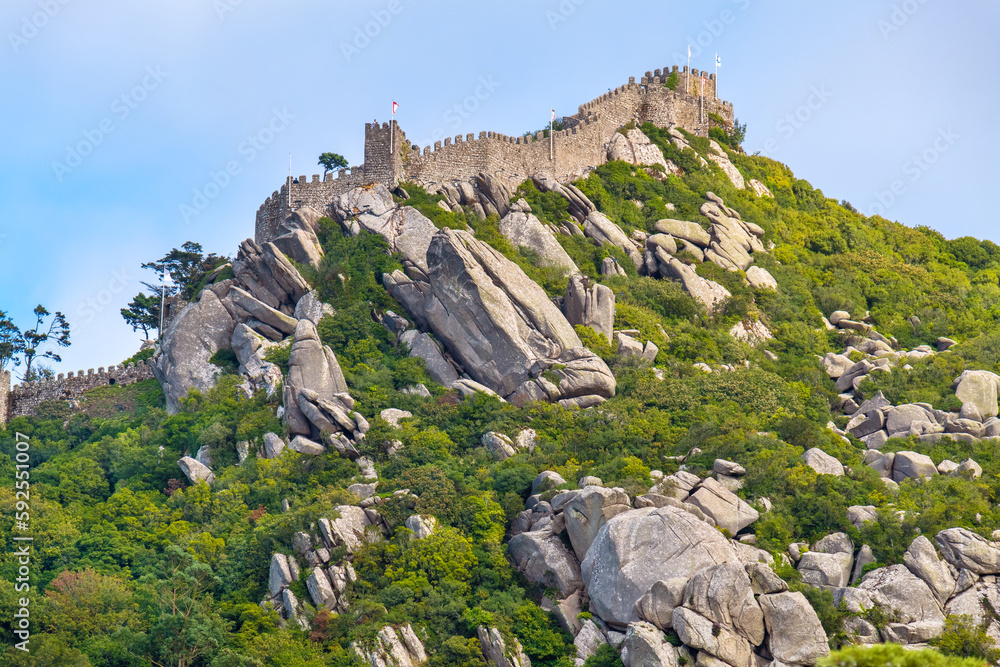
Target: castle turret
(383, 146)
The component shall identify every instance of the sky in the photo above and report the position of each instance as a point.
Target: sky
(130, 128)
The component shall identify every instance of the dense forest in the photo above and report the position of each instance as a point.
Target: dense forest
(133, 565)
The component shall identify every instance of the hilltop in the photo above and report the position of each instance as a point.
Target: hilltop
(667, 404)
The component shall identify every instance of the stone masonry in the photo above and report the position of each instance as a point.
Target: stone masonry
(24, 399)
(390, 158)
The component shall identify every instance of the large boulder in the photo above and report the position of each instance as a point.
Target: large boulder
(195, 470)
(634, 147)
(724, 507)
(795, 634)
(267, 275)
(371, 208)
(722, 593)
(588, 640)
(706, 292)
(980, 389)
(900, 418)
(312, 365)
(500, 325)
(826, 570)
(590, 304)
(645, 646)
(658, 603)
(598, 227)
(823, 463)
(588, 511)
(965, 549)
(922, 560)
(970, 602)
(182, 363)
(423, 346)
(896, 589)
(720, 158)
(761, 278)
(300, 245)
(523, 229)
(349, 530)
(638, 548)
(701, 633)
(544, 560)
(496, 652)
(399, 647)
(689, 231)
(911, 464)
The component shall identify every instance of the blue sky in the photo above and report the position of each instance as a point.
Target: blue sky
(117, 114)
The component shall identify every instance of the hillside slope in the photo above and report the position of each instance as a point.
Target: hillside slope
(698, 471)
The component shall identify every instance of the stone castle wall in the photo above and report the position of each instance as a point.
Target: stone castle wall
(4, 396)
(24, 399)
(390, 158)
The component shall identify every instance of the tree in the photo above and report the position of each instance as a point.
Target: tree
(188, 266)
(332, 162)
(185, 628)
(143, 312)
(11, 341)
(35, 338)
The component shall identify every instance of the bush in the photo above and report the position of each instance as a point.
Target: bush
(895, 655)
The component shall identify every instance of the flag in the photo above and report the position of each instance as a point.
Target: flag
(689, 51)
(553, 115)
(718, 60)
(394, 107)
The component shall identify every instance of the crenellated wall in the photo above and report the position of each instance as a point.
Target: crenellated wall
(390, 158)
(24, 399)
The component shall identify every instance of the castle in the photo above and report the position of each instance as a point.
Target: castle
(582, 145)
(390, 158)
(25, 398)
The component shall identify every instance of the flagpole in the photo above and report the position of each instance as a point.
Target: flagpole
(687, 79)
(552, 120)
(716, 77)
(289, 182)
(392, 132)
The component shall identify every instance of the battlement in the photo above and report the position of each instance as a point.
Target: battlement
(571, 153)
(24, 399)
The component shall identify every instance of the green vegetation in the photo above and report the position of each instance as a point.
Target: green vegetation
(119, 533)
(895, 655)
(672, 81)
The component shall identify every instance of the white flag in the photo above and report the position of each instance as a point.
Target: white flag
(689, 50)
(718, 60)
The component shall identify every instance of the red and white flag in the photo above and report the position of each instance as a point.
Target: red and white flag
(553, 115)
(394, 107)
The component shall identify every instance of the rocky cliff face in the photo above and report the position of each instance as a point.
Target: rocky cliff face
(500, 325)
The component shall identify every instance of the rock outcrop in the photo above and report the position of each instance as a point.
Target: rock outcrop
(523, 229)
(499, 325)
(591, 305)
(638, 548)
